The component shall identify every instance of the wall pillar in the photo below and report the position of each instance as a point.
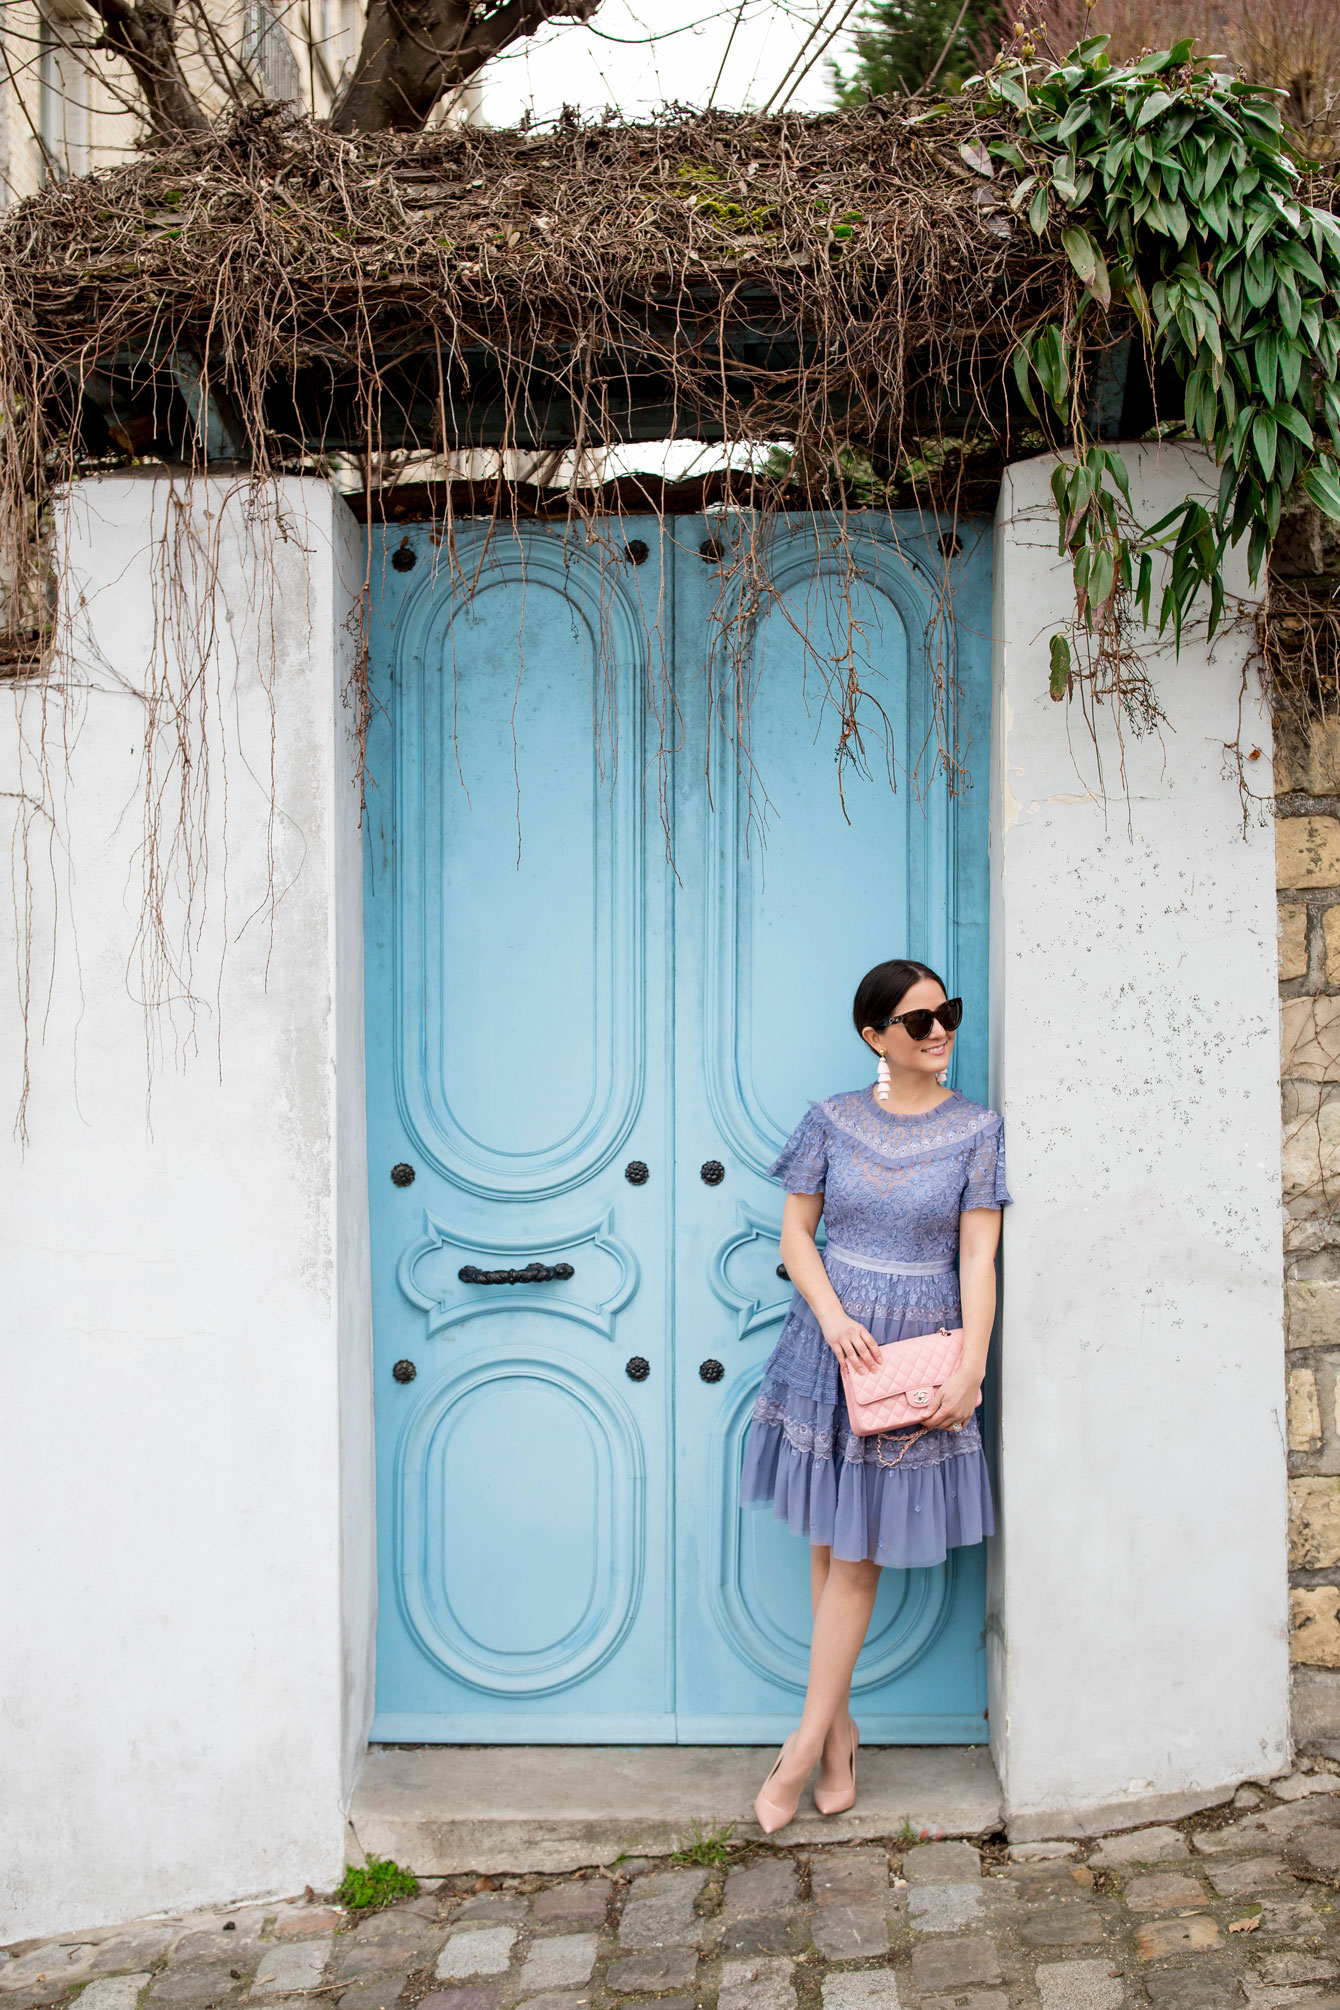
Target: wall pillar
(184, 1309)
(1138, 1622)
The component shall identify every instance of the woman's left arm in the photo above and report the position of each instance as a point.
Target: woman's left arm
(979, 1237)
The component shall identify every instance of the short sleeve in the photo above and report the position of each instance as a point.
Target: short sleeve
(985, 1184)
(803, 1164)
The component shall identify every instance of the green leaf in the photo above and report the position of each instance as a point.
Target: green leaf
(1039, 209)
(1077, 116)
(1191, 397)
(1323, 487)
(1286, 467)
(1020, 364)
(1330, 405)
(1059, 681)
(1263, 440)
(1156, 102)
(1175, 216)
(1118, 470)
(1061, 497)
(1289, 306)
(1214, 209)
(1081, 251)
(1256, 550)
(1217, 160)
(1258, 281)
(1051, 366)
(1291, 367)
(1102, 575)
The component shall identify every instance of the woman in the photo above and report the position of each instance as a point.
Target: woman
(910, 1176)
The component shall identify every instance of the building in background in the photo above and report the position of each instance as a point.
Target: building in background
(67, 106)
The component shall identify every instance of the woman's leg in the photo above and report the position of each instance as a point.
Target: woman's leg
(836, 1761)
(843, 1602)
(820, 1558)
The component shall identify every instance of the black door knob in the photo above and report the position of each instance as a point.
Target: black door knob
(402, 1175)
(711, 1172)
(404, 1371)
(638, 1369)
(636, 1173)
(783, 1272)
(711, 1371)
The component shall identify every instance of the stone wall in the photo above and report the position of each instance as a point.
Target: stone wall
(1307, 783)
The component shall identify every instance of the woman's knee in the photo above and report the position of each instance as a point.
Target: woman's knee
(859, 1576)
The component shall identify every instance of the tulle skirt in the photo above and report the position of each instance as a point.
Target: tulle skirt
(902, 1499)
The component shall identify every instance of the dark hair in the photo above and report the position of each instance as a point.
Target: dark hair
(882, 990)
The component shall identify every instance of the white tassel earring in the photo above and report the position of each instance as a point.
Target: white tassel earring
(882, 1080)
(942, 1077)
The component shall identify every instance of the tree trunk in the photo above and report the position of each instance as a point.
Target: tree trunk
(145, 34)
(414, 51)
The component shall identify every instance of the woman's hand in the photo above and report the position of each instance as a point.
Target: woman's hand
(959, 1397)
(850, 1342)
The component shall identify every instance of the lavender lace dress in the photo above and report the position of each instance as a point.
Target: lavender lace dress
(893, 1189)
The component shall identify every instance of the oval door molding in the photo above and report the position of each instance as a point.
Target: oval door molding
(609, 631)
(424, 1543)
(892, 1646)
(800, 555)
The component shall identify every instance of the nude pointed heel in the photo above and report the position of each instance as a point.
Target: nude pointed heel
(845, 1797)
(770, 1815)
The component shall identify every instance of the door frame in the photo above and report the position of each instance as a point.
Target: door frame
(923, 565)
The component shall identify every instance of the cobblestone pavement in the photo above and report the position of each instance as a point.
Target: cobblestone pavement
(1238, 1906)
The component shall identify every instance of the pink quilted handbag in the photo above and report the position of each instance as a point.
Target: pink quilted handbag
(906, 1383)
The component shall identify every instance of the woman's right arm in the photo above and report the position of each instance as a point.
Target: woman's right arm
(848, 1339)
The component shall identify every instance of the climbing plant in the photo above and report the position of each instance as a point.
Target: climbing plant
(1178, 201)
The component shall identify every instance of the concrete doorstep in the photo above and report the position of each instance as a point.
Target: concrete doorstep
(440, 1809)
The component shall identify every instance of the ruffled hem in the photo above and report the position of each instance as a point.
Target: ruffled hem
(903, 1517)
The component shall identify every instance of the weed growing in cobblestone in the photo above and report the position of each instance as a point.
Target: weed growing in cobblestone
(706, 1846)
(372, 1886)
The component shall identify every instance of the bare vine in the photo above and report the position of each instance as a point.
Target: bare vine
(837, 298)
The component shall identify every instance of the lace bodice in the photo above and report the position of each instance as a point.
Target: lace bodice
(893, 1186)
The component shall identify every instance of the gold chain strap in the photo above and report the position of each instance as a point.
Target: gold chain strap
(908, 1442)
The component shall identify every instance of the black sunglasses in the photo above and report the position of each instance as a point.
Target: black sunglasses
(919, 1023)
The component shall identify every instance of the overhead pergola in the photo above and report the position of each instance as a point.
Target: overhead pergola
(272, 293)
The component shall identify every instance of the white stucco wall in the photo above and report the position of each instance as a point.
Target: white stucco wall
(1138, 1609)
(185, 1442)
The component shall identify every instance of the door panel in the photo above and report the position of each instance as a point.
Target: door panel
(549, 1001)
(516, 962)
(806, 886)
(518, 868)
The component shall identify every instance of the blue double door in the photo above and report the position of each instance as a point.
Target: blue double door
(620, 889)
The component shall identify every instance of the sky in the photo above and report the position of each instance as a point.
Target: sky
(641, 54)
